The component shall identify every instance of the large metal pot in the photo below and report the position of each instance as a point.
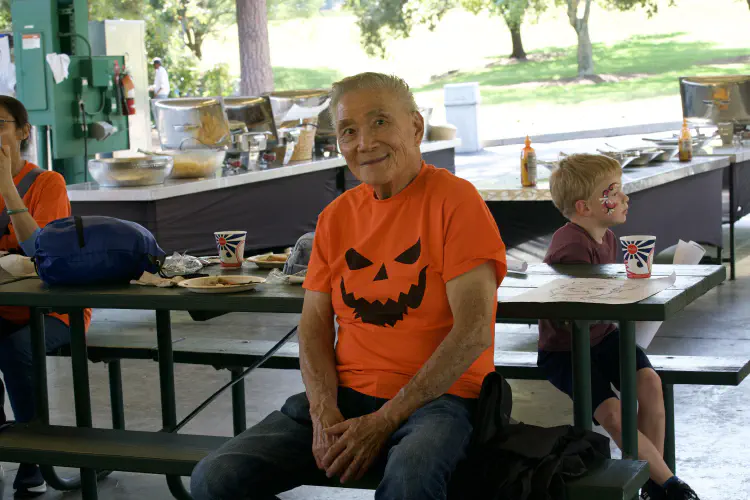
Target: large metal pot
(297, 105)
(716, 99)
(192, 122)
(130, 172)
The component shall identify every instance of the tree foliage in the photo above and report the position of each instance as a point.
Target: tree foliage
(289, 9)
(650, 6)
(513, 12)
(196, 19)
(380, 20)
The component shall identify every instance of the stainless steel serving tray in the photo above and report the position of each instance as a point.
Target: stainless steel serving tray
(716, 99)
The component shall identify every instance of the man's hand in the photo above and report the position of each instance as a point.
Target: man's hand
(322, 441)
(359, 443)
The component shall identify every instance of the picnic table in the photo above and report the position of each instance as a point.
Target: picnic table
(691, 283)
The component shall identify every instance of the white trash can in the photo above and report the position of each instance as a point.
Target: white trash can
(462, 111)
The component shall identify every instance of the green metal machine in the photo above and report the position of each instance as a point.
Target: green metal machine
(85, 113)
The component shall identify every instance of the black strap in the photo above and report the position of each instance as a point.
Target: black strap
(23, 188)
(79, 230)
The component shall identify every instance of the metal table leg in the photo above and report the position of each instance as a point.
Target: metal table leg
(670, 457)
(115, 394)
(39, 365)
(166, 384)
(582, 375)
(81, 390)
(628, 390)
(732, 220)
(41, 401)
(239, 419)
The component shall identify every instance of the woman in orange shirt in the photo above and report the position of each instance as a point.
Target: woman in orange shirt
(30, 198)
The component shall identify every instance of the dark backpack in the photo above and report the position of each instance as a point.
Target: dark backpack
(95, 250)
(515, 461)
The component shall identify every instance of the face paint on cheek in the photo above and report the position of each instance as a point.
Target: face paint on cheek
(609, 200)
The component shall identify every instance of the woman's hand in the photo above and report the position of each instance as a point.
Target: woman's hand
(6, 170)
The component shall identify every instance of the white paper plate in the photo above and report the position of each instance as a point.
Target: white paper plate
(230, 284)
(264, 264)
(296, 280)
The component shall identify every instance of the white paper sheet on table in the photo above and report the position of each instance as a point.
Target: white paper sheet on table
(686, 254)
(597, 290)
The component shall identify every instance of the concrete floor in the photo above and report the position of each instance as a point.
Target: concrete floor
(713, 423)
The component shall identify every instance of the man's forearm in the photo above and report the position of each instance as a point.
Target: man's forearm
(451, 359)
(318, 366)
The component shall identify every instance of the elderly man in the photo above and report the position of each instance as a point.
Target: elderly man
(408, 264)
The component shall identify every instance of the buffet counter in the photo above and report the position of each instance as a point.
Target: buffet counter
(671, 200)
(275, 205)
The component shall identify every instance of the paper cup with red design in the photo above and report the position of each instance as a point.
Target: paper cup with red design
(231, 246)
(639, 255)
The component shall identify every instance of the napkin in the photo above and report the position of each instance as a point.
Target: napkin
(58, 63)
(148, 279)
(515, 265)
(18, 266)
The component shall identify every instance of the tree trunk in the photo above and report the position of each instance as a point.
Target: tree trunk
(585, 51)
(581, 25)
(515, 36)
(255, 53)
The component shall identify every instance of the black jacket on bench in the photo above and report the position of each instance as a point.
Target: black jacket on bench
(519, 461)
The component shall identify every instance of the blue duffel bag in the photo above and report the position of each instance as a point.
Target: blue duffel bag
(95, 250)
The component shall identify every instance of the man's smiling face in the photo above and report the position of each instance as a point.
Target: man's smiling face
(377, 134)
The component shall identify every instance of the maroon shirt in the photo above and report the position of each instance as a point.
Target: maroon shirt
(572, 244)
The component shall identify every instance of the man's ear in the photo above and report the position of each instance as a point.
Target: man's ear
(418, 121)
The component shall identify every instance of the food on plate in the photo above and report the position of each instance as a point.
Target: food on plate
(271, 257)
(219, 281)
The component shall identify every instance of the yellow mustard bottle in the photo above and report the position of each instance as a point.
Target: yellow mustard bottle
(685, 142)
(528, 165)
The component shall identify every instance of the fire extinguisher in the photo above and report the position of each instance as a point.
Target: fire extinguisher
(126, 89)
(128, 86)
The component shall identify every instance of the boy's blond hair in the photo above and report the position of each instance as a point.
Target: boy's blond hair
(576, 177)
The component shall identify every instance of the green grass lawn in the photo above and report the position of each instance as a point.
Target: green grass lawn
(648, 66)
(645, 65)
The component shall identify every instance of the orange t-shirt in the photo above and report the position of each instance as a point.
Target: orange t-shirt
(47, 200)
(386, 263)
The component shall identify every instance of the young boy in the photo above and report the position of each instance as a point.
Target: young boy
(587, 189)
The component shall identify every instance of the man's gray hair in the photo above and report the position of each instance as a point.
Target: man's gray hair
(371, 81)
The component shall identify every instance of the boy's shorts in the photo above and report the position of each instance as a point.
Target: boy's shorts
(605, 368)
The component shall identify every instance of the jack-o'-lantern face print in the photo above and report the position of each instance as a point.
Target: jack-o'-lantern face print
(386, 311)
